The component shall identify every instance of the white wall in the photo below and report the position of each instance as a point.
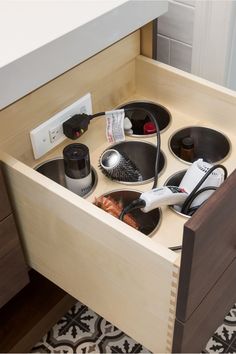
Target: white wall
(212, 39)
(199, 36)
(175, 34)
(231, 77)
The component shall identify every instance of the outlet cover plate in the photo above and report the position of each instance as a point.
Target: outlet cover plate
(41, 136)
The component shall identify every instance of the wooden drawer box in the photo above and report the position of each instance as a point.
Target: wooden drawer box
(126, 277)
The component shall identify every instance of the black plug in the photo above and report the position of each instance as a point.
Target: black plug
(77, 125)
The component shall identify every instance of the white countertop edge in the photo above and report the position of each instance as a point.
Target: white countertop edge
(34, 69)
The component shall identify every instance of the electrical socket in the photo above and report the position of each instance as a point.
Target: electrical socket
(50, 133)
(55, 133)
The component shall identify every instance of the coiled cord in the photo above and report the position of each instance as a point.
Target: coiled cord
(138, 203)
(196, 191)
(186, 208)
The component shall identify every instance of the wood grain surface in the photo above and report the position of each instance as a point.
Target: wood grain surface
(191, 336)
(191, 95)
(146, 39)
(112, 256)
(120, 273)
(109, 76)
(209, 247)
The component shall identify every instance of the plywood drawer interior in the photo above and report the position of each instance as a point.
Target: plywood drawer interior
(126, 277)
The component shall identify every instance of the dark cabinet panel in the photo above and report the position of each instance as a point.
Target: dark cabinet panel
(5, 208)
(207, 282)
(13, 272)
(191, 336)
(209, 247)
(31, 313)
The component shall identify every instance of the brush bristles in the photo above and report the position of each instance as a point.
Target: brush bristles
(125, 171)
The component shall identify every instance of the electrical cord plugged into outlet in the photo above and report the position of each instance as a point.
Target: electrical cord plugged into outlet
(77, 125)
(50, 134)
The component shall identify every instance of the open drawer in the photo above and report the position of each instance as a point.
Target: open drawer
(130, 279)
(110, 267)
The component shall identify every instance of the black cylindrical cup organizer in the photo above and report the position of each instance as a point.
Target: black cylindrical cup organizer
(77, 168)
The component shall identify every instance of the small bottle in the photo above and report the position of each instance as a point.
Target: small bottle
(77, 168)
(149, 128)
(187, 149)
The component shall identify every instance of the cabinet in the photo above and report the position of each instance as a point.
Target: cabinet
(155, 295)
(13, 271)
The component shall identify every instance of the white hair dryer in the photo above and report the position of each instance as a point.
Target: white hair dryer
(195, 173)
(173, 195)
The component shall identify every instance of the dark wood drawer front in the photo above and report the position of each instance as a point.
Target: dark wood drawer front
(13, 272)
(31, 313)
(209, 247)
(5, 208)
(192, 336)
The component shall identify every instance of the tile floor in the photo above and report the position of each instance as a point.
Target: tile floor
(83, 331)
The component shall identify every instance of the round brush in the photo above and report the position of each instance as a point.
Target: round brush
(119, 167)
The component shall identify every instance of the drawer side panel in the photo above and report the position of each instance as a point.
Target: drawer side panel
(115, 270)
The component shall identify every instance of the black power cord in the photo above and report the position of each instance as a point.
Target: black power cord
(154, 121)
(78, 124)
(196, 191)
(135, 204)
(186, 208)
(138, 203)
(190, 211)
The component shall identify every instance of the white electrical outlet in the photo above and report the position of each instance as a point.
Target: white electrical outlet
(50, 133)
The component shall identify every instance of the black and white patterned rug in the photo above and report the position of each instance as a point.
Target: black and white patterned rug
(83, 331)
(224, 339)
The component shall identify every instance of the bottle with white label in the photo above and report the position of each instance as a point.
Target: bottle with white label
(77, 168)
